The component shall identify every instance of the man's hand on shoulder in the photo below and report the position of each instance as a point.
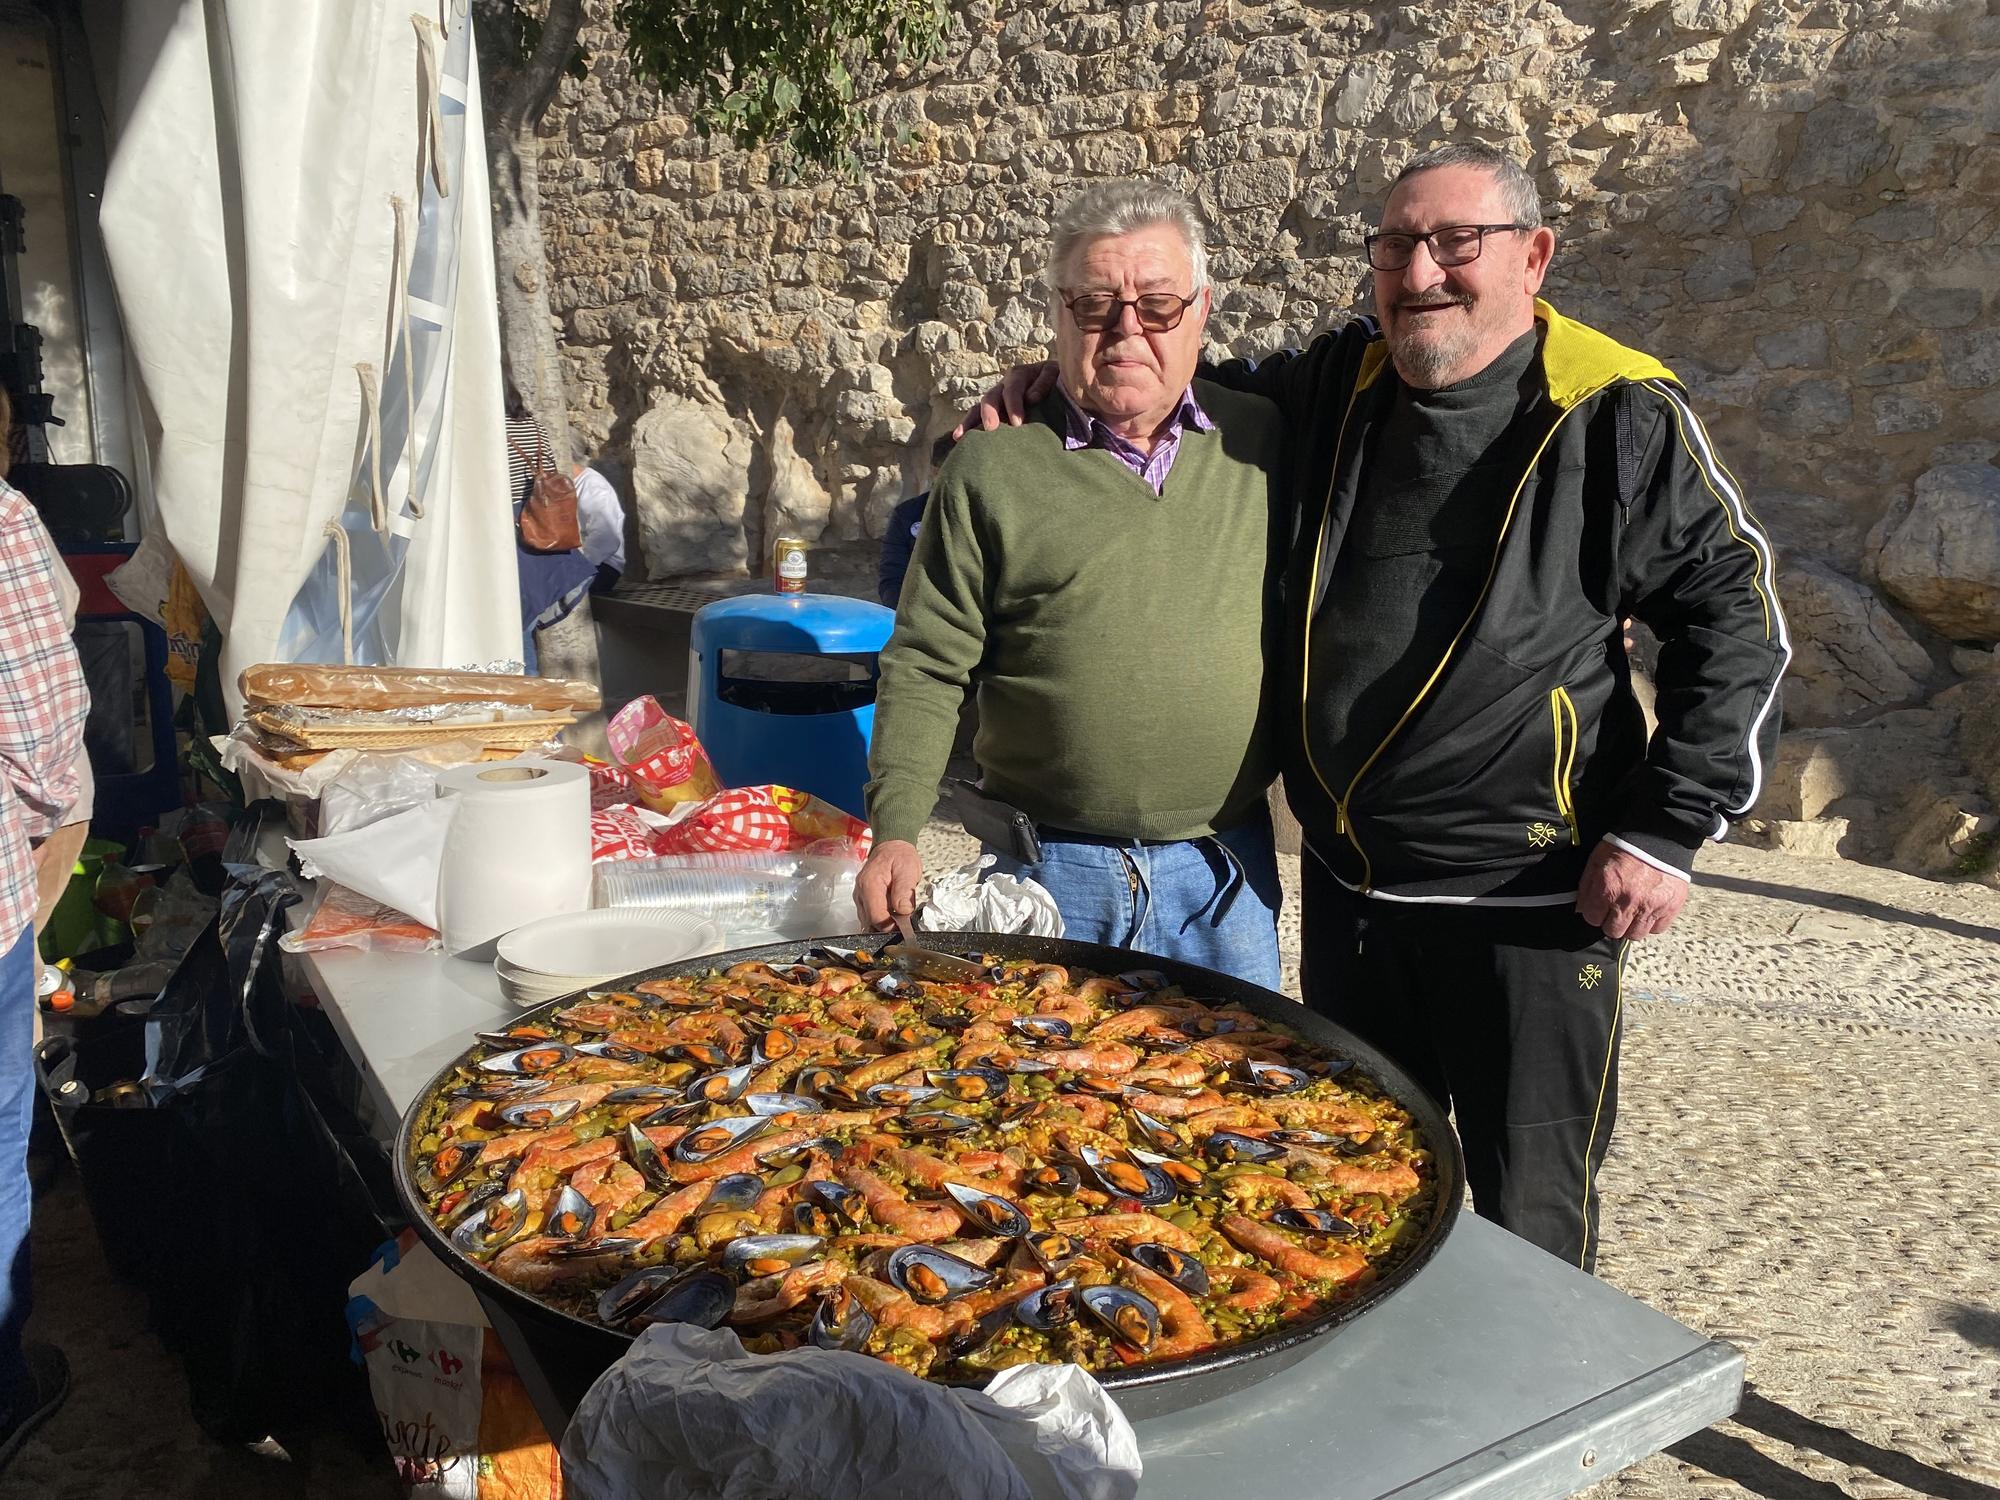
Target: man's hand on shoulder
(1626, 897)
(1011, 400)
(887, 883)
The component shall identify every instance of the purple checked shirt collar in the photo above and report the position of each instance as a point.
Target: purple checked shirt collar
(1082, 430)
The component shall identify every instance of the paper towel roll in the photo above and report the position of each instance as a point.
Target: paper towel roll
(518, 848)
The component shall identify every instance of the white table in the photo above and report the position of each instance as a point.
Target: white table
(1497, 1372)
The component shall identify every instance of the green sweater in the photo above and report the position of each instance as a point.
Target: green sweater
(1118, 639)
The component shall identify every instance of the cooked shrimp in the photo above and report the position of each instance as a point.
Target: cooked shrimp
(893, 1309)
(520, 1143)
(1182, 1327)
(863, 1014)
(545, 1168)
(1181, 1071)
(1141, 1019)
(1174, 1106)
(742, 1159)
(1238, 1117)
(1128, 1229)
(893, 1066)
(666, 1216)
(896, 1213)
(835, 981)
(1341, 1263)
(1329, 1115)
(1103, 1057)
(1244, 1288)
(609, 1184)
(766, 1297)
(1394, 1180)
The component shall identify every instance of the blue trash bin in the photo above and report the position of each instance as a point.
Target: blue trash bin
(781, 690)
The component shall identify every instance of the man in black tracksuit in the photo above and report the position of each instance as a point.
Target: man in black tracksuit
(1484, 490)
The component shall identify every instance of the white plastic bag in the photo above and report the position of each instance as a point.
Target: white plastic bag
(959, 901)
(394, 861)
(691, 1414)
(455, 1417)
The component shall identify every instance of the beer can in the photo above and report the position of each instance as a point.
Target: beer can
(788, 564)
(122, 1096)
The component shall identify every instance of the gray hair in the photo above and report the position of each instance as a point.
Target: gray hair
(1114, 208)
(1517, 188)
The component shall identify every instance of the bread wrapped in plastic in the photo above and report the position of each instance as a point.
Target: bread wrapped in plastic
(315, 685)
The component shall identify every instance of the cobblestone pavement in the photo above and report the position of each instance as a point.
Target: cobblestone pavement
(1807, 1164)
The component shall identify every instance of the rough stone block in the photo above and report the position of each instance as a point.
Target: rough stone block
(1898, 223)
(1721, 273)
(1800, 348)
(1255, 184)
(1942, 559)
(1839, 143)
(690, 484)
(1971, 357)
(1896, 413)
(1820, 839)
(1849, 655)
(1809, 408)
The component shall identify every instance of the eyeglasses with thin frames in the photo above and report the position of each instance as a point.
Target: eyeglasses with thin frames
(1453, 245)
(1158, 312)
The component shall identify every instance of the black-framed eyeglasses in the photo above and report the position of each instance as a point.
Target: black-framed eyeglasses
(1453, 245)
(1158, 312)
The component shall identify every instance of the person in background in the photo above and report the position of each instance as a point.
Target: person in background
(43, 704)
(551, 582)
(600, 516)
(1099, 576)
(899, 537)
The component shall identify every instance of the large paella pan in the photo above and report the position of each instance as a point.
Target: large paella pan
(1172, 1177)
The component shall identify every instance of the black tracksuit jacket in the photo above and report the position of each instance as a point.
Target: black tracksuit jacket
(1526, 747)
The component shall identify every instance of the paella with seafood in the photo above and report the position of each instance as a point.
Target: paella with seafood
(1039, 1164)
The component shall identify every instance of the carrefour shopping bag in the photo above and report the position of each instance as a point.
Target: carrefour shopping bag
(457, 1421)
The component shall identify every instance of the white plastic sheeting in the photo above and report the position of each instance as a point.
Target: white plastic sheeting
(297, 220)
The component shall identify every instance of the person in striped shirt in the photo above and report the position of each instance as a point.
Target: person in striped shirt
(43, 703)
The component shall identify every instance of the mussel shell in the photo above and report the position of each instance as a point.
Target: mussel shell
(724, 1087)
(706, 1142)
(1183, 1270)
(1052, 1250)
(1183, 1175)
(738, 1190)
(1048, 1307)
(689, 1000)
(1318, 1140)
(533, 1114)
(1054, 1177)
(623, 1300)
(840, 1322)
(798, 1151)
(701, 1054)
(570, 1216)
(612, 1052)
(1316, 1221)
(900, 1095)
(673, 1114)
(643, 1093)
(1101, 1084)
(474, 1198)
(930, 1275)
(845, 958)
(1207, 1024)
(500, 1090)
(608, 1247)
(703, 1299)
(1029, 1064)
(1157, 1132)
(989, 1213)
(815, 1079)
(953, 1021)
(774, 1044)
(509, 1041)
(1131, 1318)
(1043, 1031)
(1145, 980)
(842, 1095)
(936, 1122)
(450, 1162)
(537, 1058)
(768, 1254)
(798, 973)
(1017, 1112)
(1374, 1141)
(499, 1222)
(1229, 1145)
(782, 1104)
(898, 986)
(1143, 1184)
(1329, 1067)
(969, 1340)
(1274, 1078)
(974, 1085)
(645, 1158)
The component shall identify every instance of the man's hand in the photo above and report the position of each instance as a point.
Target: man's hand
(1011, 400)
(887, 883)
(1626, 897)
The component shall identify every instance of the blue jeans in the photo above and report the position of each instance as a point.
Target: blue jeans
(17, 1098)
(1209, 901)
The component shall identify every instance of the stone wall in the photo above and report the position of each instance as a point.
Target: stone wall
(1796, 205)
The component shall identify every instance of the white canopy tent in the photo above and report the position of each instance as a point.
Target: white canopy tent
(297, 222)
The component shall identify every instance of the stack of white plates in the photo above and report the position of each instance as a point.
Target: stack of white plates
(588, 949)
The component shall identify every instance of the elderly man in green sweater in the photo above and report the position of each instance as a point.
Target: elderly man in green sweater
(1099, 575)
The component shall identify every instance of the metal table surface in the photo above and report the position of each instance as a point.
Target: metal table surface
(1498, 1371)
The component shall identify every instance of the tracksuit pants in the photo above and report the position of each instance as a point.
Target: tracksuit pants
(1508, 1016)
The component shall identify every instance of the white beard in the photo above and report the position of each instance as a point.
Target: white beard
(1424, 359)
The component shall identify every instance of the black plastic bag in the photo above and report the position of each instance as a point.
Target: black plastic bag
(235, 1185)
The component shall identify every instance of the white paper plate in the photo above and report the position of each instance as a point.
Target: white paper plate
(587, 947)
